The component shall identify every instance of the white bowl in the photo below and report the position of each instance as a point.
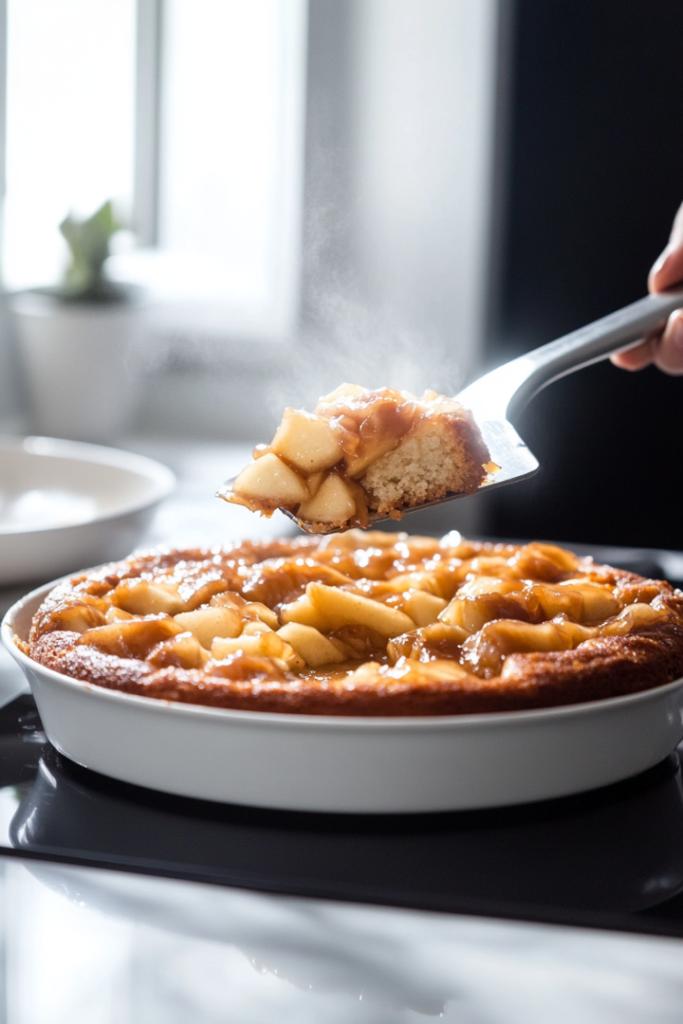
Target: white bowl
(65, 504)
(366, 765)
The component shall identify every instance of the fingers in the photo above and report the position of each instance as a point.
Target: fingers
(668, 350)
(635, 358)
(668, 268)
(664, 349)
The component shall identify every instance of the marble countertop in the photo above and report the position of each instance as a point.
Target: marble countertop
(84, 946)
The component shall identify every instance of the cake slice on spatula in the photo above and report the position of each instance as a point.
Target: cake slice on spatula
(363, 453)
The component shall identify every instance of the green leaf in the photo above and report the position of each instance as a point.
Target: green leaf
(88, 242)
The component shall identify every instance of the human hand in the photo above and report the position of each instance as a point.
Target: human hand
(663, 347)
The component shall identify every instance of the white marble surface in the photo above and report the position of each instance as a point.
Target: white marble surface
(84, 947)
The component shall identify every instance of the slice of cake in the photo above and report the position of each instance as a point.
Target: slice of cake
(362, 452)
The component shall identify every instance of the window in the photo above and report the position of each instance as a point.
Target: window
(231, 161)
(70, 117)
(221, 155)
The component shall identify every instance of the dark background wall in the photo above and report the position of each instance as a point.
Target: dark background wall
(595, 174)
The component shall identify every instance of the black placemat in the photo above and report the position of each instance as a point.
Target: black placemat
(612, 857)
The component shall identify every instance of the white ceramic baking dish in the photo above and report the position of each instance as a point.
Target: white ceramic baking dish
(366, 765)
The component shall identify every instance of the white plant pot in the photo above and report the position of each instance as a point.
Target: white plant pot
(81, 364)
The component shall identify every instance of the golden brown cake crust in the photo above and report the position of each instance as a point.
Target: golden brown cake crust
(411, 626)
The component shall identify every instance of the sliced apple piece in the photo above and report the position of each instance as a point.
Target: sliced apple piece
(634, 616)
(423, 608)
(183, 651)
(255, 627)
(263, 645)
(344, 608)
(262, 612)
(306, 441)
(117, 615)
(304, 611)
(269, 480)
(314, 481)
(78, 617)
(470, 613)
(228, 599)
(208, 623)
(598, 602)
(310, 644)
(140, 597)
(132, 638)
(332, 504)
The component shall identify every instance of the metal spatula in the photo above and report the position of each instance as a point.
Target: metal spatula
(507, 389)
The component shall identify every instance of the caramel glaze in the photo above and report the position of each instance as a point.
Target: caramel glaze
(369, 425)
(523, 653)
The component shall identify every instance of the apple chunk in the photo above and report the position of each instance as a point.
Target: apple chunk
(307, 442)
(271, 481)
(423, 608)
(208, 623)
(343, 608)
(310, 644)
(183, 651)
(305, 612)
(140, 597)
(132, 638)
(264, 645)
(332, 503)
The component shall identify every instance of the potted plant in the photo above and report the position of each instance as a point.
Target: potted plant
(79, 341)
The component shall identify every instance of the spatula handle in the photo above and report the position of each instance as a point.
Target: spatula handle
(507, 389)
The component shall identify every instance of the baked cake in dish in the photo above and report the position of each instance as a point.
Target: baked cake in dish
(363, 451)
(364, 623)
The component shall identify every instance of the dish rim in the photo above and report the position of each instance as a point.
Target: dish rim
(501, 719)
(156, 473)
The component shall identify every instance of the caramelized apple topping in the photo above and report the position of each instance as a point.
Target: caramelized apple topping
(371, 612)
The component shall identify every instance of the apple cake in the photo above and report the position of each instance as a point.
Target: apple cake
(364, 451)
(364, 623)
